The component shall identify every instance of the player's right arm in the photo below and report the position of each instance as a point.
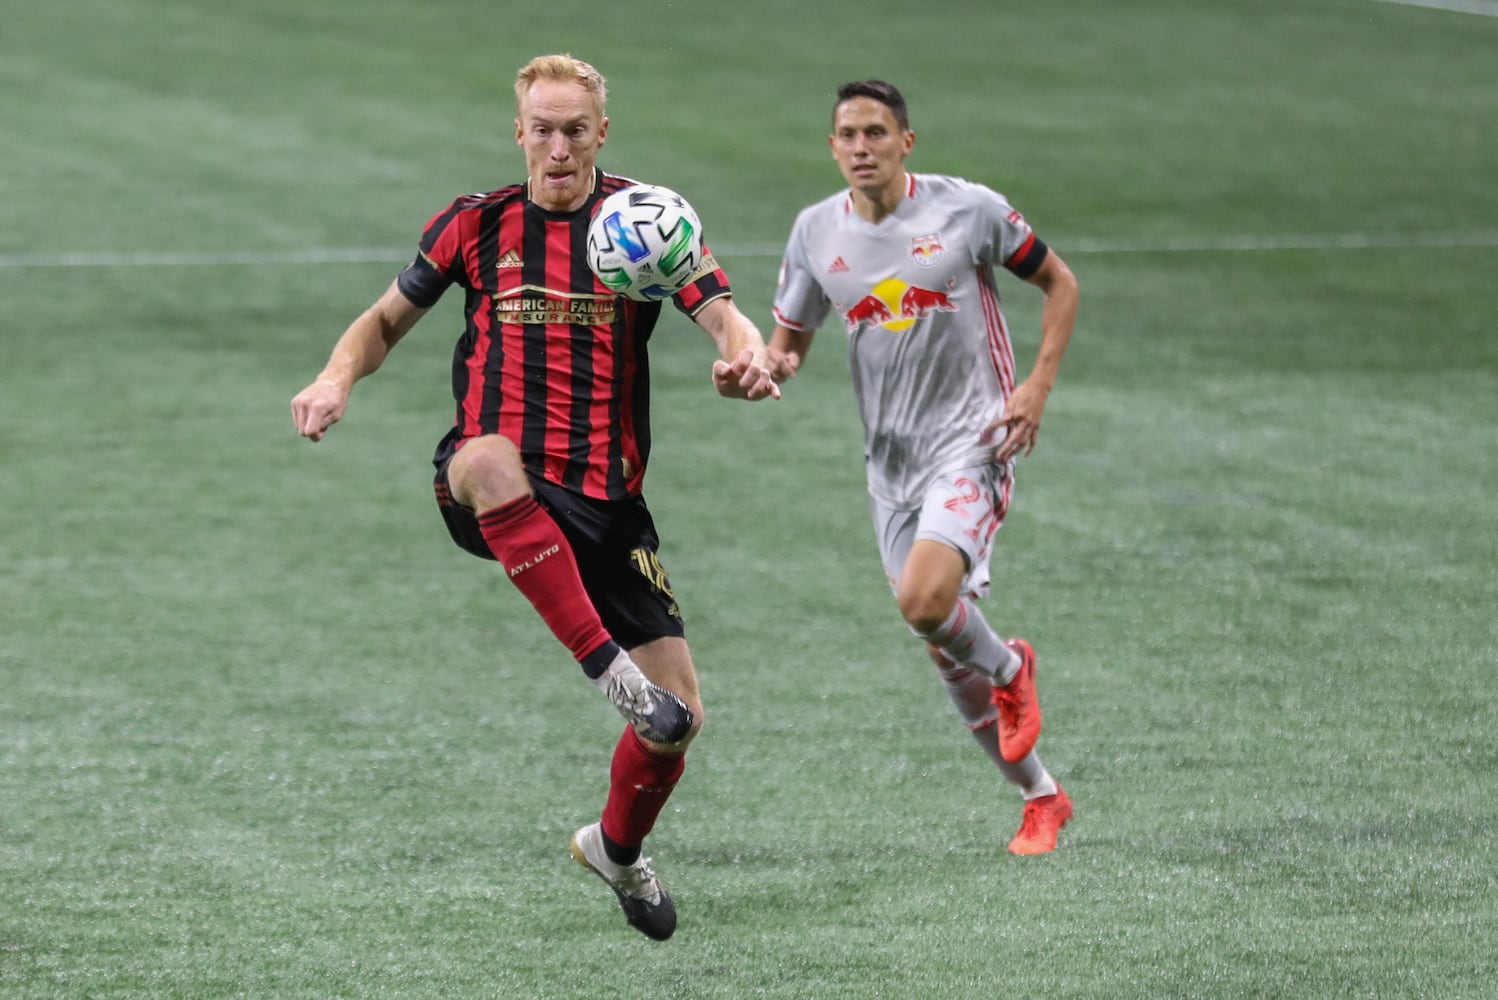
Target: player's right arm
(800, 303)
(359, 352)
(787, 350)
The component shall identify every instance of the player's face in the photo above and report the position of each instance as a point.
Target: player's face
(869, 145)
(561, 129)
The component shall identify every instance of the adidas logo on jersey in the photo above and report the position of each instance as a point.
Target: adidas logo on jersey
(839, 266)
(510, 258)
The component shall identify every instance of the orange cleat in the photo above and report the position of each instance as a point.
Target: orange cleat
(1044, 818)
(1019, 707)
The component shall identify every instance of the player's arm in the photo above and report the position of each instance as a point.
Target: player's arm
(359, 352)
(787, 351)
(740, 372)
(1058, 316)
(800, 304)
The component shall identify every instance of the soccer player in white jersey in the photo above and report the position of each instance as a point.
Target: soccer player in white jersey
(907, 261)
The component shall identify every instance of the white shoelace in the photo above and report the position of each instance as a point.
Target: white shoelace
(639, 881)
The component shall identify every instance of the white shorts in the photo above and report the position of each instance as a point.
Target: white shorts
(962, 510)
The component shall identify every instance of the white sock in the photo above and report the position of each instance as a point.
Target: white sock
(1029, 774)
(972, 694)
(966, 638)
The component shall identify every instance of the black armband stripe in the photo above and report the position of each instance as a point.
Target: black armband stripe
(422, 283)
(1027, 260)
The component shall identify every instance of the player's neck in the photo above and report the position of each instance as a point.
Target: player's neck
(878, 205)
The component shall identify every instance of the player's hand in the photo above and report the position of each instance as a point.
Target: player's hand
(316, 408)
(1020, 423)
(782, 365)
(743, 379)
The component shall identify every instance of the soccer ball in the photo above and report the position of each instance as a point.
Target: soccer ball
(645, 243)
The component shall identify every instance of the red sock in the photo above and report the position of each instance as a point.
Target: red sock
(539, 561)
(640, 782)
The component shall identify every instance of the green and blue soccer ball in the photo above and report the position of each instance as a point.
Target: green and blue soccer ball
(645, 243)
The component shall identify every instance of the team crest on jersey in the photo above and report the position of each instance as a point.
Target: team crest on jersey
(927, 250)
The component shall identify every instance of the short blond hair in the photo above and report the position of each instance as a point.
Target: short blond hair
(561, 66)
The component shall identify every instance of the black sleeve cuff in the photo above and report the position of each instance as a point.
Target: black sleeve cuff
(422, 283)
(1030, 257)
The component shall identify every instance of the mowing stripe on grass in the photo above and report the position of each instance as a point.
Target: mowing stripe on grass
(380, 255)
(1482, 8)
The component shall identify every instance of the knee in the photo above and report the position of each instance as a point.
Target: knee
(930, 581)
(487, 473)
(924, 610)
(680, 746)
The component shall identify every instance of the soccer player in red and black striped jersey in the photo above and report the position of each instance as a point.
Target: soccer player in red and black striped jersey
(543, 466)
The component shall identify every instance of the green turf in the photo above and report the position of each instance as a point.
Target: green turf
(265, 733)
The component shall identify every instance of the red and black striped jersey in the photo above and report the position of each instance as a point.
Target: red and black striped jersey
(549, 356)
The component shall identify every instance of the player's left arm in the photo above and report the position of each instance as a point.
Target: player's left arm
(740, 372)
(1058, 317)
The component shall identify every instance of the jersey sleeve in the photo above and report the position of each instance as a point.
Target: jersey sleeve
(800, 303)
(439, 261)
(1004, 236)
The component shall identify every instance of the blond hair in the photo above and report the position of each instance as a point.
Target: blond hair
(561, 66)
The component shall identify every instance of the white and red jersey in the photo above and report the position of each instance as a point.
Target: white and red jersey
(927, 342)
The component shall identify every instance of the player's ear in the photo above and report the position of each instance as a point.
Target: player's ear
(909, 141)
(519, 133)
(603, 130)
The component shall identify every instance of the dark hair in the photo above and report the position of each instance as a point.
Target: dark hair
(886, 94)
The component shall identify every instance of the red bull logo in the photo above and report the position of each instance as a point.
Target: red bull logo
(896, 306)
(927, 250)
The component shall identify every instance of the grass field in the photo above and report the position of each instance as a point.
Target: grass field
(264, 732)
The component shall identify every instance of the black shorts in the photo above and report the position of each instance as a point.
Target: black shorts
(616, 548)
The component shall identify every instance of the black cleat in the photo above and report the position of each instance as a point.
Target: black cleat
(645, 903)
